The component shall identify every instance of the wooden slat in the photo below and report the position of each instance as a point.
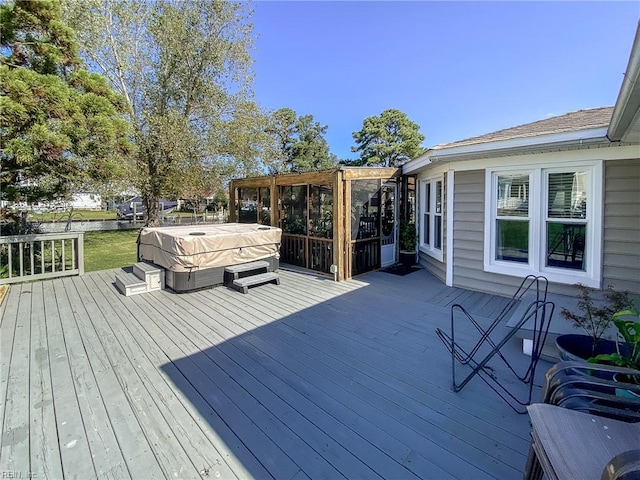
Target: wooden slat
(44, 448)
(208, 451)
(338, 225)
(317, 375)
(72, 439)
(320, 407)
(241, 410)
(267, 451)
(310, 422)
(250, 315)
(385, 353)
(9, 310)
(129, 453)
(363, 173)
(14, 453)
(105, 454)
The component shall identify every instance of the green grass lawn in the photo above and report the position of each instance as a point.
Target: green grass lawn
(78, 215)
(109, 249)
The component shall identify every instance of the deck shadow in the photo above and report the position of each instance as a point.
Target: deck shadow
(296, 382)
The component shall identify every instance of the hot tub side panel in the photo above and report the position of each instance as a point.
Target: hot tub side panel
(199, 279)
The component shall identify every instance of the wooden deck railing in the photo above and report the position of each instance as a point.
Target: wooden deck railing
(35, 257)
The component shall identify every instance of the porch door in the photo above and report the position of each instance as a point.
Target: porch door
(388, 209)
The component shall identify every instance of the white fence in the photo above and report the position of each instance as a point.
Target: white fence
(35, 257)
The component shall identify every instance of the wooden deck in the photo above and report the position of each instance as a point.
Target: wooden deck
(309, 379)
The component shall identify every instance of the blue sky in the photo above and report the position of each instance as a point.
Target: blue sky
(458, 69)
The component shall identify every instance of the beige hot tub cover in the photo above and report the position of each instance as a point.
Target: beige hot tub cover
(196, 247)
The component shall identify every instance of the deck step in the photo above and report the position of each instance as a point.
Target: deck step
(129, 284)
(152, 275)
(234, 272)
(246, 267)
(244, 283)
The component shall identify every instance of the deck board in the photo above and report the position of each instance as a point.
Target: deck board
(308, 379)
(171, 418)
(73, 443)
(14, 455)
(95, 420)
(114, 371)
(270, 455)
(411, 405)
(259, 409)
(302, 404)
(44, 448)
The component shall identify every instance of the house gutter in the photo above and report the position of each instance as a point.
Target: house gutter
(628, 102)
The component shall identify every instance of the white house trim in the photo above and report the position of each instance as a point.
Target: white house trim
(449, 234)
(429, 249)
(628, 152)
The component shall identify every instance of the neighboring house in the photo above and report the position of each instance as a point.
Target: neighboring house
(86, 201)
(559, 197)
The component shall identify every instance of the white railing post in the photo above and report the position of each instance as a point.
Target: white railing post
(80, 251)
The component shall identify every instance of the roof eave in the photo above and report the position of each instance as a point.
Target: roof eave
(517, 146)
(625, 117)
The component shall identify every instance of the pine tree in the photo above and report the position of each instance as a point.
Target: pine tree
(61, 126)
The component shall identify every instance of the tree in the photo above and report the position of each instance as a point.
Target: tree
(61, 126)
(388, 140)
(184, 70)
(301, 143)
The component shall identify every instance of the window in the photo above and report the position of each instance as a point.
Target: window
(512, 217)
(545, 221)
(431, 195)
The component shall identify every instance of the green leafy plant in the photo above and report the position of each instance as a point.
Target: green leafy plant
(628, 350)
(595, 317)
(408, 236)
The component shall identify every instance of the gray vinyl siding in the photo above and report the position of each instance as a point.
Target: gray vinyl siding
(468, 241)
(433, 265)
(621, 255)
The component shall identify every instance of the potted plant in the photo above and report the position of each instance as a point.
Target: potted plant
(627, 353)
(594, 318)
(408, 239)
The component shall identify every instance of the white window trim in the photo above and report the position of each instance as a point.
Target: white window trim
(592, 276)
(436, 253)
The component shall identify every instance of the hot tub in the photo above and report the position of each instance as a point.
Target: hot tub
(195, 256)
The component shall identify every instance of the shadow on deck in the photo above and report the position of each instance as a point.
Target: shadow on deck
(309, 379)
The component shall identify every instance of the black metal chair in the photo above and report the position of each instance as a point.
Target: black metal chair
(591, 388)
(538, 314)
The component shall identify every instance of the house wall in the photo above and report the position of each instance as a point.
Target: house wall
(621, 252)
(468, 241)
(621, 257)
(435, 266)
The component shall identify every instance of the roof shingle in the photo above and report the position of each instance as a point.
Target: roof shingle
(569, 122)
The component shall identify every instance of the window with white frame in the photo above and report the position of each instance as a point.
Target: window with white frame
(431, 206)
(545, 221)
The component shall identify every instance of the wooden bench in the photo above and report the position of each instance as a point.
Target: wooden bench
(570, 444)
